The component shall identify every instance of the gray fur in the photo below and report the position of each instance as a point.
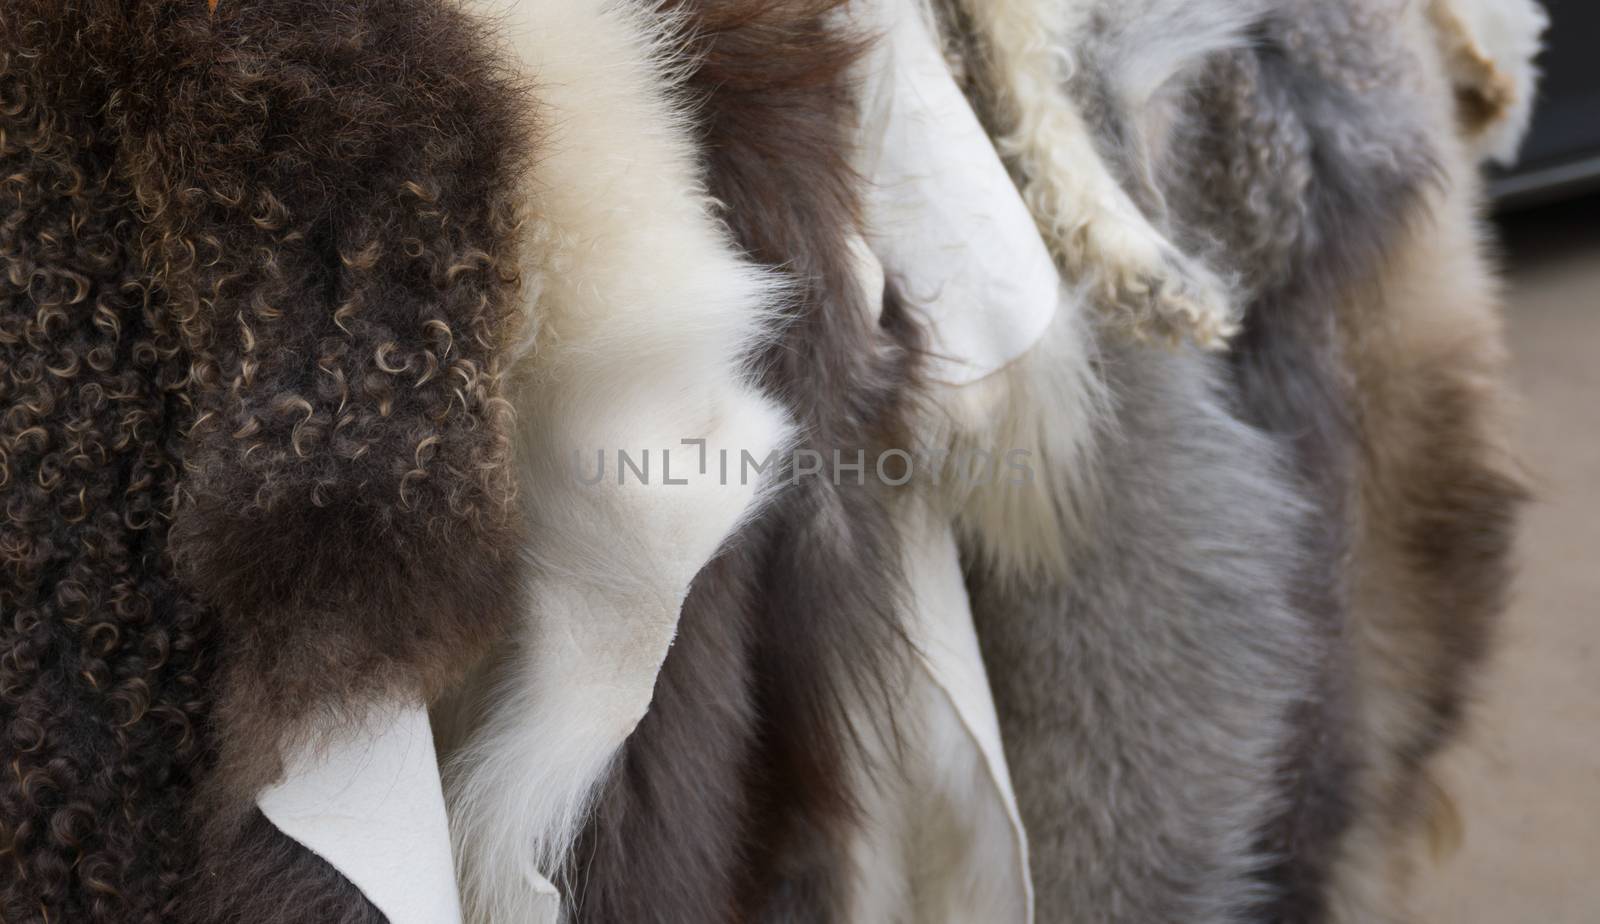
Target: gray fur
(1292, 162)
(1303, 159)
(1144, 701)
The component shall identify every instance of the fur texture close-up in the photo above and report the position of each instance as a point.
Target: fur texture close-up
(1311, 116)
(1327, 129)
(104, 673)
(282, 232)
(1326, 149)
(1143, 697)
(1170, 853)
(1361, 199)
(644, 318)
(732, 800)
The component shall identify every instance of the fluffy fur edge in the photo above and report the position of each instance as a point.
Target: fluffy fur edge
(645, 319)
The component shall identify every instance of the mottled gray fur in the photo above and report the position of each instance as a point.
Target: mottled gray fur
(1144, 701)
(1290, 158)
(1299, 160)
(1295, 163)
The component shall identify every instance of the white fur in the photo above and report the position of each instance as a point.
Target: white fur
(1490, 46)
(1097, 232)
(1047, 404)
(643, 313)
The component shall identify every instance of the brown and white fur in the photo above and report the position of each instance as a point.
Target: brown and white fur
(730, 799)
(645, 315)
(733, 798)
(1489, 48)
(1437, 508)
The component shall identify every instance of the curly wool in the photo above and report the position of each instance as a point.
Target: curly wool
(104, 666)
(257, 284)
(1025, 51)
(330, 205)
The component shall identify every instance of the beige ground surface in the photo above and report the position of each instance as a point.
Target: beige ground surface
(1528, 777)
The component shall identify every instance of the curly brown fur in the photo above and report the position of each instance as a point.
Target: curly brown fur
(732, 797)
(257, 282)
(104, 658)
(328, 188)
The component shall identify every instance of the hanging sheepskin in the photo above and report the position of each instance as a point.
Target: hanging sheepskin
(260, 278)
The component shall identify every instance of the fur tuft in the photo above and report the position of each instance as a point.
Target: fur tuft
(1096, 230)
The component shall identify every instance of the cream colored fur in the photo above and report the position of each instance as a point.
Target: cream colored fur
(644, 314)
(1490, 47)
(1046, 404)
(1096, 230)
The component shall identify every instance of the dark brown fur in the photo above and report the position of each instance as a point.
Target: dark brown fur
(268, 253)
(732, 799)
(105, 659)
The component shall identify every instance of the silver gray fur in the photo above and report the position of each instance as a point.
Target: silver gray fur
(1145, 701)
(1290, 159)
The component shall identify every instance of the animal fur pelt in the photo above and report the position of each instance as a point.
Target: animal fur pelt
(105, 682)
(1312, 164)
(1314, 153)
(1360, 203)
(1166, 856)
(1314, 167)
(1144, 698)
(1437, 510)
(260, 266)
(732, 800)
(728, 801)
(649, 322)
